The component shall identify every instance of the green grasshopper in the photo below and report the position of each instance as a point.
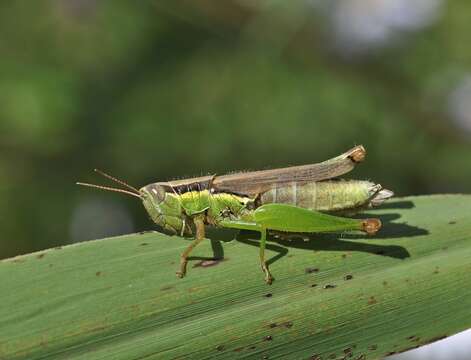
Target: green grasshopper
(298, 199)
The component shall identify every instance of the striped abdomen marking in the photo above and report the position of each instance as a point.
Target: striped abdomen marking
(331, 195)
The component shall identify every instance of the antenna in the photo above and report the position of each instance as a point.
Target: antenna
(109, 189)
(116, 180)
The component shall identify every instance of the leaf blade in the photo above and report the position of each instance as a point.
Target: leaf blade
(118, 298)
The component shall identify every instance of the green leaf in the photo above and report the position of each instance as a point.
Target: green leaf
(333, 296)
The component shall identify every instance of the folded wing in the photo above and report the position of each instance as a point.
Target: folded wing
(256, 182)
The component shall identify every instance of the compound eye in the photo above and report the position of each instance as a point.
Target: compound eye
(158, 192)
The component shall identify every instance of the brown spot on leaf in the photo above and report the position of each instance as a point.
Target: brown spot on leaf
(372, 300)
(98, 273)
(207, 263)
(164, 288)
(268, 338)
(347, 351)
(269, 295)
(311, 270)
(313, 285)
(315, 357)
(273, 325)
(452, 222)
(40, 256)
(330, 286)
(220, 347)
(348, 277)
(143, 244)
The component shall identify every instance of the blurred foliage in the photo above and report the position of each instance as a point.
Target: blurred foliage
(154, 90)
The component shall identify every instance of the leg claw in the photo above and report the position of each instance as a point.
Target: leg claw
(268, 277)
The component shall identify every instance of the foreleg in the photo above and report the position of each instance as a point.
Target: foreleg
(200, 235)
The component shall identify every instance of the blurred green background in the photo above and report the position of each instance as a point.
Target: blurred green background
(156, 90)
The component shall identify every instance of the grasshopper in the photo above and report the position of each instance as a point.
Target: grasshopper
(298, 199)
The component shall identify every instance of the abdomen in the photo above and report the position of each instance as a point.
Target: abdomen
(328, 196)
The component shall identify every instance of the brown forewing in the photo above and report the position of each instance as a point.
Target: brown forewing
(256, 182)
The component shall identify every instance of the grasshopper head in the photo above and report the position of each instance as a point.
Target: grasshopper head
(153, 198)
(163, 207)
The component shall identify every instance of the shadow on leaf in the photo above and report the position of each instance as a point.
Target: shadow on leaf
(325, 241)
(341, 242)
(404, 204)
